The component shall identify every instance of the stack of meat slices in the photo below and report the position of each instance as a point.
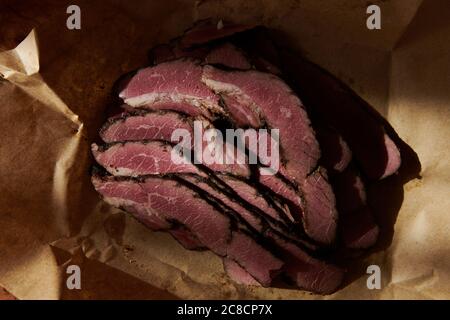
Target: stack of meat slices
(265, 227)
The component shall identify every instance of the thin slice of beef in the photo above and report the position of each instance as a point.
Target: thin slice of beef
(249, 206)
(145, 125)
(285, 190)
(186, 238)
(229, 56)
(242, 116)
(272, 101)
(176, 202)
(254, 221)
(314, 204)
(136, 158)
(176, 81)
(136, 126)
(150, 157)
(251, 195)
(320, 215)
(269, 98)
(309, 273)
(238, 274)
(112, 191)
(351, 116)
(180, 107)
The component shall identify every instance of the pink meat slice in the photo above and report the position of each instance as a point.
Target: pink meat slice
(245, 214)
(112, 194)
(286, 191)
(319, 215)
(160, 125)
(238, 274)
(147, 157)
(176, 81)
(172, 201)
(309, 273)
(186, 238)
(136, 158)
(241, 115)
(251, 195)
(145, 126)
(269, 97)
(180, 107)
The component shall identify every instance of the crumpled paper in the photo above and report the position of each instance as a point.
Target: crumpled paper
(55, 87)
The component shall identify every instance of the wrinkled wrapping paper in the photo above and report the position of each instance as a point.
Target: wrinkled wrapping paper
(56, 85)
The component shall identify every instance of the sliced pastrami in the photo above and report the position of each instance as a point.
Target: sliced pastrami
(320, 214)
(286, 191)
(228, 55)
(254, 258)
(249, 207)
(168, 199)
(272, 100)
(136, 158)
(238, 274)
(112, 192)
(177, 81)
(309, 273)
(313, 202)
(176, 202)
(186, 238)
(148, 157)
(269, 98)
(160, 125)
(242, 116)
(214, 191)
(251, 195)
(180, 107)
(244, 199)
(145, 125)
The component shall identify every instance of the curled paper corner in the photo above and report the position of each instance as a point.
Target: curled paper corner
(23, 59)
(21, 67)
(28, 52)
